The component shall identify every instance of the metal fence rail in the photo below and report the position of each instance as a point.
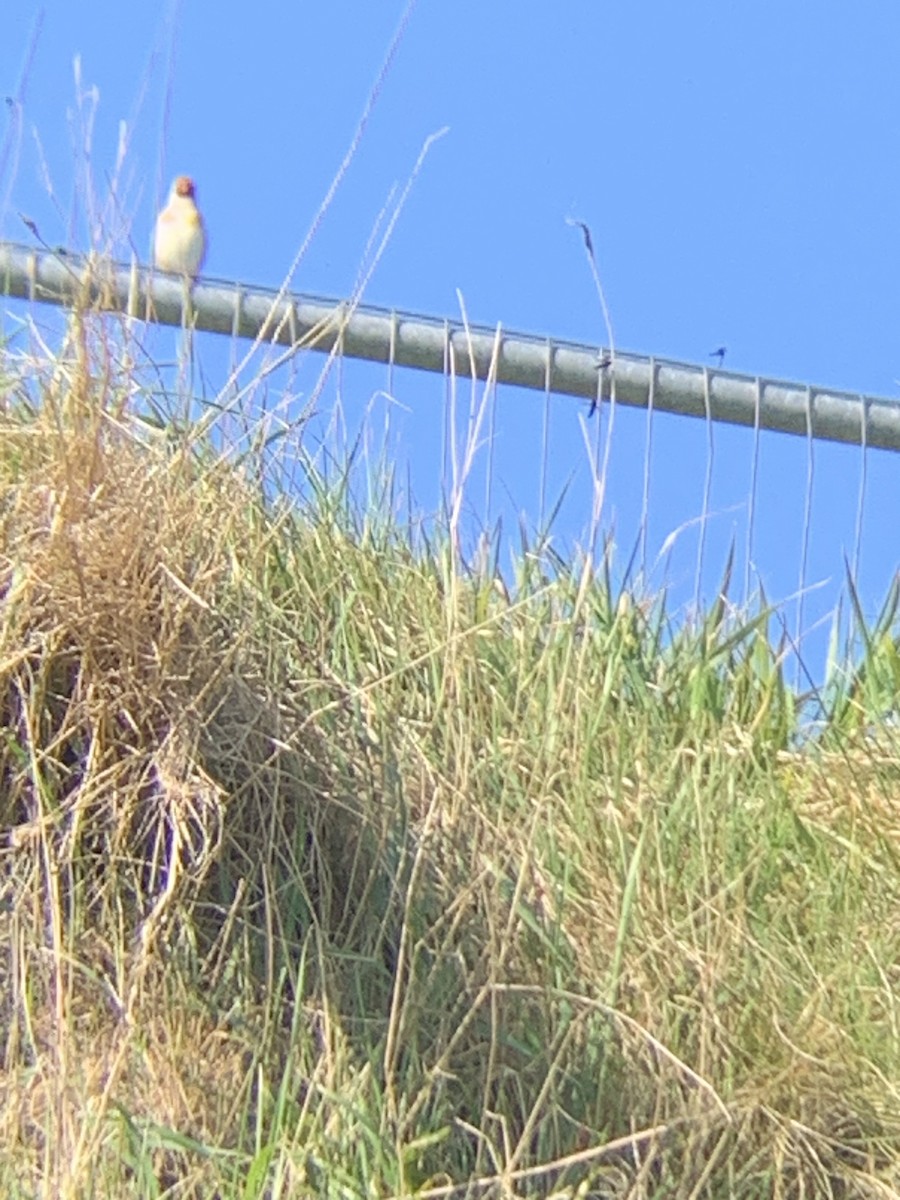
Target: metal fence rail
(382, 335)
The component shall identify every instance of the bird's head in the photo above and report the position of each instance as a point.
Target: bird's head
(184, 186)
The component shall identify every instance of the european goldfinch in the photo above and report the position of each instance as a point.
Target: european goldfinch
(179, 243)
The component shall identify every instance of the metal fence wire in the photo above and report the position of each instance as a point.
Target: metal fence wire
(675, 498)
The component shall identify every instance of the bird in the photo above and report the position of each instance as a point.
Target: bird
(179, 243)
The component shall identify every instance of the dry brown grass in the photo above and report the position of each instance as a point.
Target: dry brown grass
(327, 872)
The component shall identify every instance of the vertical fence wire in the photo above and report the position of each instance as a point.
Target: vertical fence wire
(648, 453)
(446, 432)
(392, 354)
(863, 471)
(707, 491)
(754, 482)
(492, 400)
(596, 491)
(238, 416)
(340, 440)
(804, 542)
(545, 441)
(386, 470)
(607, 449)
(610, 425)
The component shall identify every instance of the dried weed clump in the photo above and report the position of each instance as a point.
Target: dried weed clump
(327, 868)
(155, 798)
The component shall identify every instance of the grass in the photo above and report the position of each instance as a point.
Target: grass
(331, 868)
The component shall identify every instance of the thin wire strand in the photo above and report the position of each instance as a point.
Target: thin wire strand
(489, 469)
(648, 452)
(607, 445)
(545, 439)
(863, 471)
(754, 481)
(596, 477)
(392, 353)
(447, 435)
(807, 525)
(707, 491)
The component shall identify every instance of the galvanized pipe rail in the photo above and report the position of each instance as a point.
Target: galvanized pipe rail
(433, 344)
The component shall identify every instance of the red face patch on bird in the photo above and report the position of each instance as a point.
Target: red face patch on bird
(184, 186)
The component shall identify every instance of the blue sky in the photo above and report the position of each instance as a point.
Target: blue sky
(737, 164)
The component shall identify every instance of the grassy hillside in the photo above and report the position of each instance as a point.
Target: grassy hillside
(329, 868)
